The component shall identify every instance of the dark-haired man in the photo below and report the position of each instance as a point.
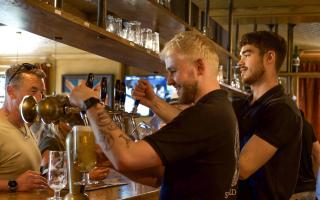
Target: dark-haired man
(19, 154)
(269, 122)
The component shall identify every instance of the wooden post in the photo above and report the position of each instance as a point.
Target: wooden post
(230, 44)
(206, 17)
(101, 13)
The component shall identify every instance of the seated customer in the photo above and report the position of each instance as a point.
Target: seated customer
(19, 155)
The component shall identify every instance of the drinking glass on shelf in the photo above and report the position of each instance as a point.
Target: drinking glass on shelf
(118, 26)
(146, 38)
(155, 42)
(236, 82)
(130, 31)
(84, 156)
(220, 74)
(136, 28)
(57, 174)
(110, 24)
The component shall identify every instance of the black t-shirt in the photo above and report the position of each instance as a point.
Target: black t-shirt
(199, 149)
(306, 179)
(276, 119)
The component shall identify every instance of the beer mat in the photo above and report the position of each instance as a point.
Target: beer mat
(104, 184)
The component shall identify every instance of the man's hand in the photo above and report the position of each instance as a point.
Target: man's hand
(81, 93)
(30, 180)
(143, 91)
(99, 173)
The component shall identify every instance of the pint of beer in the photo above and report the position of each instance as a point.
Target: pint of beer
(84, 155)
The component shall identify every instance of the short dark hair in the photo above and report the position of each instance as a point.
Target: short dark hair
(266, 41)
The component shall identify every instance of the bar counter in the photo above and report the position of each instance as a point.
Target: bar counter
(129, 191)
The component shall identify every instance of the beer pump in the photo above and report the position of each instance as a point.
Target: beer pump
(53, 109)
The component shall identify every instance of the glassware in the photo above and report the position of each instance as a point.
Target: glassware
(140, 130)
(84, 156)
(136, 28)
(110, 24)
(57, 174)
(118, 26)
(124, 32)
(161, 2)
(236, 82)
(167, 4)
(144, 129)
(130, 32)
(155, 42)
(146, 38)
(220, 74)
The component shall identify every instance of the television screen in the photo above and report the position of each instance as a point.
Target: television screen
(160, 87)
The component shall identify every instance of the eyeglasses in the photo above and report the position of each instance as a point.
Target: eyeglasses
(22, 67)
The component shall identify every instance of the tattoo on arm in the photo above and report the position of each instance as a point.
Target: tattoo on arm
(105, 124)
(126, 139)
(156, 106)
(104, 121)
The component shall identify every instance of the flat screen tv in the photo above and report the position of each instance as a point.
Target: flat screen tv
(160, 87)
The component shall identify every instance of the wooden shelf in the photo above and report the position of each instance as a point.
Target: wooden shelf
(234, 91)
(154, 16)
(42, 19)
(301, 74)
(151, 15)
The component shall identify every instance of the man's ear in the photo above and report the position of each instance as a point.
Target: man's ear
(270, 57)
(200, 66)
(11, 91)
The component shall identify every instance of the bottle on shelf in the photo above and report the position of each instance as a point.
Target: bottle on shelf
(295, 60)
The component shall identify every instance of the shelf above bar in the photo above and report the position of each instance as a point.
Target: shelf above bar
(301, 74)
(42, 19)
(152, 15)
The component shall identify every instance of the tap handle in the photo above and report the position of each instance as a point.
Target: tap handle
(89, 84)
(104, 89)
(135, 107)
(90, 79)
(122, 94)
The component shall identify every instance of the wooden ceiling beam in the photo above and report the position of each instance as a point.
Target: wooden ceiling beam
(265, 15)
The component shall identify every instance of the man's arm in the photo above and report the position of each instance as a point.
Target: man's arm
(124, 154)
(164, 110)
(143, 91)
(254, 155)
(316, 154)
(150, 176)
(27, 181)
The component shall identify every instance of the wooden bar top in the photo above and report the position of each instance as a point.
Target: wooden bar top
(130, 191)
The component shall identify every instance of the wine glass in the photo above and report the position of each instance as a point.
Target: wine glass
(57, 175)
(144, 129)
(140, 130)
(84, 156)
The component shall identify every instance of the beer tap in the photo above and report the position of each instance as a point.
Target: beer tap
(104, 90)
(133, 114)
